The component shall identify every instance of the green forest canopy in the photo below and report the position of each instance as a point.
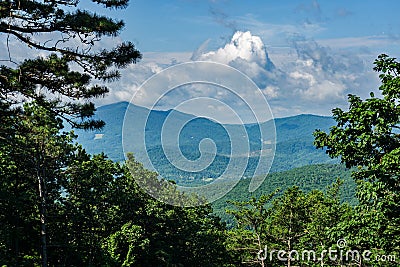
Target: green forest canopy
(61, 206)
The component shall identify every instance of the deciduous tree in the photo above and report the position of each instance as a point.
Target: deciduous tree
(367, 137)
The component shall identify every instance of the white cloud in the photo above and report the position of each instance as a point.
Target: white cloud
(248, 54)
(308, 77)
(136, 74)
(271, 91)
(303, 76)
(324, 90)
(311, 77)
(362, 41)
(244, 46)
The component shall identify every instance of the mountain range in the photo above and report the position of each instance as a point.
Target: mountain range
(188, 139)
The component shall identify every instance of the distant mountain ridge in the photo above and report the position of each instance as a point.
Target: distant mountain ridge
(294, 140)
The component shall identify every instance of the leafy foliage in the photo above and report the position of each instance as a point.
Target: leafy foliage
(291, 222)
(92, 208)
(367, 137)
(49, 79)
(307, 178)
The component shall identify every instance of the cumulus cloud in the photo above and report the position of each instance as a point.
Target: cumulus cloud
(247, 53)
(306, 78)
(311, 79)
(243, 46)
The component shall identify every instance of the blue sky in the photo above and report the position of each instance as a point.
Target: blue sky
(304, 56)
(184, 25)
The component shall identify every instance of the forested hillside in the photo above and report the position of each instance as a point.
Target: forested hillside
(294, 142)
(67, 204)
(307, 178)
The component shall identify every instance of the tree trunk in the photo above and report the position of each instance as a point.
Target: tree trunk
(43, 233)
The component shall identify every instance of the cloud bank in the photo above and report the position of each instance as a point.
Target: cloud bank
(306, 77)
(310, 79)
